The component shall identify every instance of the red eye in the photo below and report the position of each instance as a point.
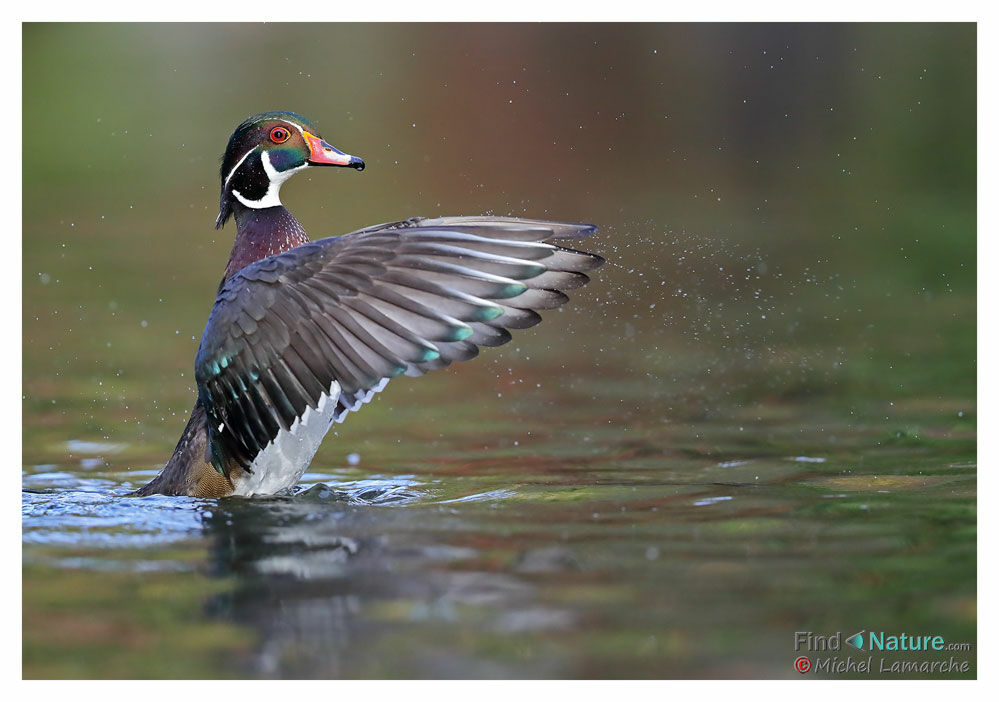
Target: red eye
(279, 135)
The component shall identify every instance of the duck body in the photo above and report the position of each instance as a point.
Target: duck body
(304, 332)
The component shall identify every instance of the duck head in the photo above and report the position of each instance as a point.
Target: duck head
(265, 151)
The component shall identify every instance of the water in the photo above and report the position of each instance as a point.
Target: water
(542, 538)
(648, 485)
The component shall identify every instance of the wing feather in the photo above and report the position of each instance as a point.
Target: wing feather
(404, 297)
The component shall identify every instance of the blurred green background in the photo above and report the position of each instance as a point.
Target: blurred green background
(788, 211)
(841, 156)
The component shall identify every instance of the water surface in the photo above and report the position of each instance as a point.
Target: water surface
(534, 535)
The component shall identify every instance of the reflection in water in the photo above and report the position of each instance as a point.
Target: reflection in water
(318, 575)
(641, 564)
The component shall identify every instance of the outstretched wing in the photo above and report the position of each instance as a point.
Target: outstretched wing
(359, 309)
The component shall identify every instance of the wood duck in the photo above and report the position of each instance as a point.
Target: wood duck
(303, 332)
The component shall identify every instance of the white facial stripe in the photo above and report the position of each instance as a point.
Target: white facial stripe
(271, 198)
(252, 204)
(281, 119)
(236, 167)
(275, 178)
(278, 177)
(243, 158)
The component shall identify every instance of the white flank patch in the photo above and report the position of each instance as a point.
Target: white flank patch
(363, 400)
(284, 460)
(275, 177)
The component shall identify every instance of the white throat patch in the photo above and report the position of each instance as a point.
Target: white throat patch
(275, 177)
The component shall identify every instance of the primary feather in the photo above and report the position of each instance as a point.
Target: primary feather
(362, 308)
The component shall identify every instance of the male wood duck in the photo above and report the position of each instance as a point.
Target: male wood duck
(303, 332)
